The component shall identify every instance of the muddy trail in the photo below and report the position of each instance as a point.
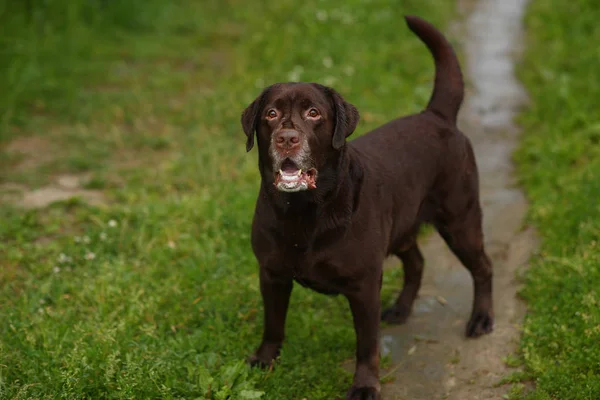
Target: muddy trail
(432, 358)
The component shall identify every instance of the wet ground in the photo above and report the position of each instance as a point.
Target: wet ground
(431, 356)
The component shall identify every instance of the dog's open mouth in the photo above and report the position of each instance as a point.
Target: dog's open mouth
(291, 178)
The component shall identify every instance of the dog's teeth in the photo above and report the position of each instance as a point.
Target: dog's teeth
(299, 172)
(280, 172)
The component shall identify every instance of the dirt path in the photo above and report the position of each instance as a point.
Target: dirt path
(433, 358)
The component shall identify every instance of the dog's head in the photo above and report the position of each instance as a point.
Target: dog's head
(300, 128)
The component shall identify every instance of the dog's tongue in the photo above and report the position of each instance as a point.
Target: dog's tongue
(289, 167)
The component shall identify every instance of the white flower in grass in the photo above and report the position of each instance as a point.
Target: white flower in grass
(329, 80)
(321, 15)
(327, 62)
(171, 244)
(56, 269)
(347, 19)
(349, 70)
(296, 73)
(63, 258)
(90, 256)
(77, 239)
(103, 236)
(86, 239)
(112, 223)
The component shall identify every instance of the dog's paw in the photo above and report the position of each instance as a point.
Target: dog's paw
(363, 393)
(265, 355)
(481, 322)
(255, 361)
(395, 315)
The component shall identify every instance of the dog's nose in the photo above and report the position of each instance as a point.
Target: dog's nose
(287, 139)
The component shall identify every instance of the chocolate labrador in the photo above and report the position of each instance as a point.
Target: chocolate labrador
(329, 211)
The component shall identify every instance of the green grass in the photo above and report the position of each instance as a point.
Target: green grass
(559, 164)
(155, 294)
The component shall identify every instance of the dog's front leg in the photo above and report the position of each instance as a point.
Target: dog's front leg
(365, 308)
(275, 293)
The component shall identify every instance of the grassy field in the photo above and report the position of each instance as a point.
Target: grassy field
(154, 294)
(559, 163)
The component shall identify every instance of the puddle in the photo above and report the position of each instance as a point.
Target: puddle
(447, 365)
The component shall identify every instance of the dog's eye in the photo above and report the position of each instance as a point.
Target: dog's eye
(313, 113)
(271, 114)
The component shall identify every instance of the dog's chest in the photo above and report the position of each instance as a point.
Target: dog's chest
(313, 257)
(323, 275)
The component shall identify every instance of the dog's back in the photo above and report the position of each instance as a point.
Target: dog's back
(427, 147)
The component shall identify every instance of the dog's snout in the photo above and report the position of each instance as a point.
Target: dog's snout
(287, 139)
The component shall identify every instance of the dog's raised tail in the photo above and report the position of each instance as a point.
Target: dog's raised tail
(448, 90)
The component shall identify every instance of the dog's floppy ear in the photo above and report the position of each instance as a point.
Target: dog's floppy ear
(251, 117)
(346, 119)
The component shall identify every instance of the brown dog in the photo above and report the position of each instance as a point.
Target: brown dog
(329, 212)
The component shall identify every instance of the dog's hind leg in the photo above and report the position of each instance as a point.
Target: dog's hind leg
(412, 261)
(464, 236)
